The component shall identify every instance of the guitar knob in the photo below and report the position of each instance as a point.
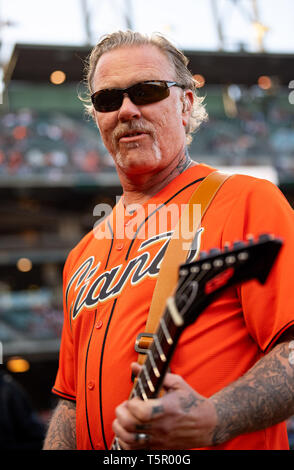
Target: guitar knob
(202, 254)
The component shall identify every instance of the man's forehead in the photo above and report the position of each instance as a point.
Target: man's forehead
(132, 63)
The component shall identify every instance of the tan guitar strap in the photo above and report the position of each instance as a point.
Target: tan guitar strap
(177, 251)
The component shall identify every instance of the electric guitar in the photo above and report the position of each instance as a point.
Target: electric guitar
(200, 283)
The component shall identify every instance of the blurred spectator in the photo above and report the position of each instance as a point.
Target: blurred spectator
(20, 428)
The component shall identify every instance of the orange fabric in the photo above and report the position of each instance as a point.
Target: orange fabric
(108, 285)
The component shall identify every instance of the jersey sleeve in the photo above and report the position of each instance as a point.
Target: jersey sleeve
(64, 385)
(268, 309)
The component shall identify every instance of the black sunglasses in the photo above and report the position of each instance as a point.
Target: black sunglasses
(151, 91)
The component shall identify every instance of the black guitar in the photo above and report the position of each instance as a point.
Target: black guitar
(200, 283)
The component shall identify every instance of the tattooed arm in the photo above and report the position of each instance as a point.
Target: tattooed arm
(183, 419)
(261, 398)
(61, 434)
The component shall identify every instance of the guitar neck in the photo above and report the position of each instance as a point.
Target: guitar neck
(158, 356)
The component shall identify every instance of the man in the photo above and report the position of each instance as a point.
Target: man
(231, 383)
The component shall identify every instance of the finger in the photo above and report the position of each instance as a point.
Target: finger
(136, 368)
(140, 427)
(145, 411)
(125, 438)
(129, 421)
(125, 418)
(172, 382)
(130, 440)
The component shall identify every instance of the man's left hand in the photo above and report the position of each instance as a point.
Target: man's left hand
(179, 419)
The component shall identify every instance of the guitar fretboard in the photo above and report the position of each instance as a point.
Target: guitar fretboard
(158, 355)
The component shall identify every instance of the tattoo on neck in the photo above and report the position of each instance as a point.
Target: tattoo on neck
(184, 162)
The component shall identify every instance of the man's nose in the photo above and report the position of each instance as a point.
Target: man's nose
(128, 110)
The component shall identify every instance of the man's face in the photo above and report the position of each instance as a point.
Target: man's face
(158, 129)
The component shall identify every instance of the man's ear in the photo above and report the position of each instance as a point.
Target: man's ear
(188, 100)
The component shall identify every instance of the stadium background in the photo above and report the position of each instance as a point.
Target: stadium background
(54, 170)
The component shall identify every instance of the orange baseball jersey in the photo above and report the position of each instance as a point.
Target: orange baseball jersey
(109, 279)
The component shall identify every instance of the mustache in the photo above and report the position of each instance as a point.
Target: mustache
(125, 127)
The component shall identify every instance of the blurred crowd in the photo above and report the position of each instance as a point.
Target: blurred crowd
(52, 144)
(251, 132)
(56, 144)
(34, 314)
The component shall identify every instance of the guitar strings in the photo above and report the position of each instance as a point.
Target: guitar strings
(186, 281)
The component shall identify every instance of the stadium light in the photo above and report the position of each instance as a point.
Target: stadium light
(18, 365)
(24, 265)
(264, 82)
(200, 80)
(57, 77)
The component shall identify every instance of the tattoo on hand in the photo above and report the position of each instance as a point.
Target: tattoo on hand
(189, 402)
(143, 427)
(157, 410)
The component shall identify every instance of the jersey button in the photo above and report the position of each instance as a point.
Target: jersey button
(91, 385)
(99, 324)
(119, 246)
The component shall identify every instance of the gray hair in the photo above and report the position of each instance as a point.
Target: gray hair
(175, 56)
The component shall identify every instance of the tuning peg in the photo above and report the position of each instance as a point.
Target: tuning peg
(206, 266)
(264, 237)
(227, 246)
(183, 272)
(243, 256)
(230, 259)
(250, 238)
(214, 251)
(218, 262)
(238, 244)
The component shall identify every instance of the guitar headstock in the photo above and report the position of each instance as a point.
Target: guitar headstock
(202, 281)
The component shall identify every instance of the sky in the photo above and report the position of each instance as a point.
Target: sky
(190, 24)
